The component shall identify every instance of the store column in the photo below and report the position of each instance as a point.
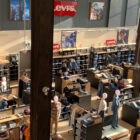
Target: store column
(41, 68)
(136, 75)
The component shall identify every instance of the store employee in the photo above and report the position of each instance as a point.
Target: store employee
(103, 107)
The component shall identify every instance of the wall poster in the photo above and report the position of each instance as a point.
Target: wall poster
(96, 10)
(122, 36)
(68, 39)
(17, 10)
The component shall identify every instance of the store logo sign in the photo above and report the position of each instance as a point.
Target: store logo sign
(111, 42)
(56, 47)
(63, 8)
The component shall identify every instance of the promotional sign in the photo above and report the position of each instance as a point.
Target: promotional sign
(63, 8)
(56, 47)
(111, 42)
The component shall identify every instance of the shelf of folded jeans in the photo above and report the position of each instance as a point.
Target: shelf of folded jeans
(68, 49)
(81, 54)
(125, 99)
(66, 56)
(55, 57)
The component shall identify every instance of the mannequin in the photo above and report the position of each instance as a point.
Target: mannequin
(103, 107)
(4, 84)
(55, 114)
(115, 109)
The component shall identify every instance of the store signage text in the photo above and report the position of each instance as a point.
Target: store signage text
(111, 42)
(63, 8)
(56, 47)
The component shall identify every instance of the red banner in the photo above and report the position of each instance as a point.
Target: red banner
(63, 8)
(111, 42)
(56, 47)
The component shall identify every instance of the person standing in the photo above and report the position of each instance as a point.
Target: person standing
(115, 109)
(103, 107)
(55, 114)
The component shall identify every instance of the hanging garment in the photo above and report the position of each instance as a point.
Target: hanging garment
(100, 89)
(26, 133)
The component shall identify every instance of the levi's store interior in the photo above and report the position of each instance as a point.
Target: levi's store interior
(95, 93)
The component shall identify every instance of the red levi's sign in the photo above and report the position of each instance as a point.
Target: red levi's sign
(63, 8)
(111, 42)
(56, 47)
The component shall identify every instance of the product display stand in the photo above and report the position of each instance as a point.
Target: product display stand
(125, 53)
(13, 67)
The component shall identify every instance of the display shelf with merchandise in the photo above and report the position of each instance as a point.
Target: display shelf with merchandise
(103, 56)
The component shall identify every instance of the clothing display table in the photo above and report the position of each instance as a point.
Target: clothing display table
(61, 83)
(83, 101)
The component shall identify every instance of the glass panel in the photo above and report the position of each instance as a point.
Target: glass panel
(93, 69)
(15, 42)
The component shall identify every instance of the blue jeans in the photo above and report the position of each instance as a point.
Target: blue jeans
(115, 118)
(102, 114)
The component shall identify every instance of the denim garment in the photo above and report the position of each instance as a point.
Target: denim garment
(87, 121)
(100, 89)
(102, 114)
(83, 135)
(83, 92)
(73, 66)
(115, 109)
(82, 81)
(135, 106)
(115, 118)
(84, 129)
(3, 105)
(65, 102)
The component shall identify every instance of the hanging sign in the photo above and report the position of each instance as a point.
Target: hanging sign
(56, 47)
(111, 42)
(63, 8)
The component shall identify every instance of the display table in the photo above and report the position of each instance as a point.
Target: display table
(130, 115)
(61, 83)
(91, 131)
(10, 118)
(128, 71)
(83, 101)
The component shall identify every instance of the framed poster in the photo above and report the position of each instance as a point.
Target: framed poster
(68, 39)
(17, 10)
(96, 10)
(122, 36)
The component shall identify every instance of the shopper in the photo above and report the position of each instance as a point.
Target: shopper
(55, 114)
(115, 109)
(103, 107)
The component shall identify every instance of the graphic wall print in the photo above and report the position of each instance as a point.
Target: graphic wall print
(96, 10)
(122, 36)
(68, 39)
(17, 10)
(64, 8)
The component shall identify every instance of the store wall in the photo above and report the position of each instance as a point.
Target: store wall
(13, 41)
(81, 19)
(5, 23)
(116, 13)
